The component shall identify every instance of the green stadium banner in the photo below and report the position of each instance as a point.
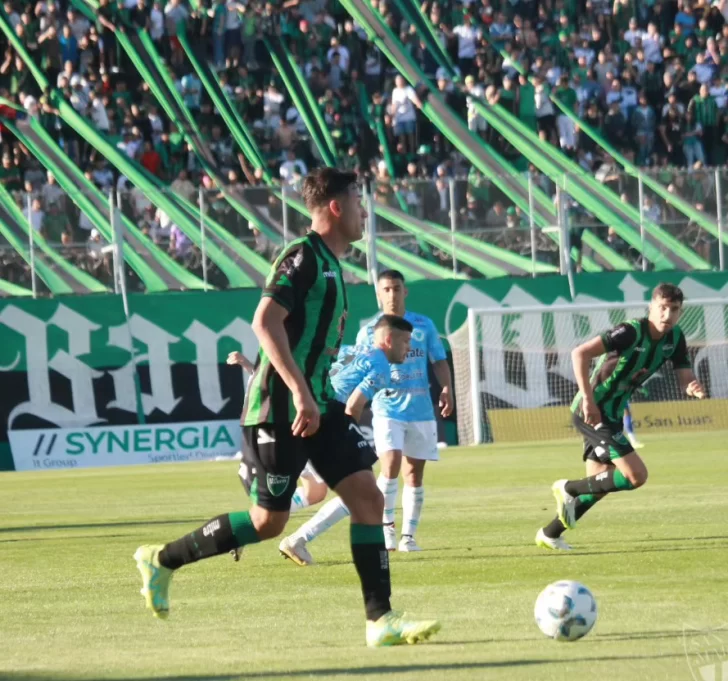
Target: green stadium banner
(72, 363)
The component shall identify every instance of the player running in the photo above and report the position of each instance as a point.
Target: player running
(358, 374)
(290, 417)
(629, 354)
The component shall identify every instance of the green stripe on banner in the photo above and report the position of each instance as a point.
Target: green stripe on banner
(155, 268)
(491, 164)
(692, 213)
(660, 247)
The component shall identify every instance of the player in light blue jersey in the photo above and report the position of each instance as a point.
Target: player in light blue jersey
(357, 375)
(405, 429)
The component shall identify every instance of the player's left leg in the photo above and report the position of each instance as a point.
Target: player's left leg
(272, 461)
(420, 446)
(413, 498)
(389, 437)
(549, 537)
(628, 472)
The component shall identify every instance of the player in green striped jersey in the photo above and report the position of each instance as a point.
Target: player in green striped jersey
(628, 355)
(291, 416)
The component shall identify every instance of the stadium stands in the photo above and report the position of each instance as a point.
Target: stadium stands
(486, 130)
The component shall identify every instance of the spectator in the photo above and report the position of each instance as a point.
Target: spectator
(404, 116)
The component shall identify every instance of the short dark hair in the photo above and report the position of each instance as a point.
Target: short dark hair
(393, 321)
(390, 274)
(669, 292)
(324, 184)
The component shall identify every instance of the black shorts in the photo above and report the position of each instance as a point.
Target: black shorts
(273, 458)
(604, 444)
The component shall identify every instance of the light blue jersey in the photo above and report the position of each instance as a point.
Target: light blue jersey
(365, 368)
(408, 399)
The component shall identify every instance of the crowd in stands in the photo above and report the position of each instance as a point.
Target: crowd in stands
(650, 76)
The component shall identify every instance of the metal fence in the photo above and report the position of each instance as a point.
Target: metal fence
(643, 221)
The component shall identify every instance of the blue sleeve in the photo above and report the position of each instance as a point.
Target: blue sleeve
(435, 348)
(376, 379)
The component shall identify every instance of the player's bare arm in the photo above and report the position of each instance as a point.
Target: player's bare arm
(268, 327)
(581, 358)
(690, 384)
(241, 360)
(355, 404)
(443, 375)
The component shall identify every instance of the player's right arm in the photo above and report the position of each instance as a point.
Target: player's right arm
(285, 288)
(582, 357)
(617, 339)
(377, 378)
(356, 403)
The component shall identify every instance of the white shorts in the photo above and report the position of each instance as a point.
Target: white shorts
(415, 439)
(310, 473)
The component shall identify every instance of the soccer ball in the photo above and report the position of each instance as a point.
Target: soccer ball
(565, 611)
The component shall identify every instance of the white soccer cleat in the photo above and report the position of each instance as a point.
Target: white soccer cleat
(390, 537)
(554, 544)
(295, 548)
(565, 504)
(636, 444)
(408, 544)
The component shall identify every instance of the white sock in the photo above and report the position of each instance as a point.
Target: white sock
(388, 487)
(328, 515)
(299, 500)
(412, 500)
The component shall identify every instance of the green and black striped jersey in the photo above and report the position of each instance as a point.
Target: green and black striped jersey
(306, 279)
(631, 357)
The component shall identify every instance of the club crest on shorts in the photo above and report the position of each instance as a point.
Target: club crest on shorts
(277, 484)
(706, 652)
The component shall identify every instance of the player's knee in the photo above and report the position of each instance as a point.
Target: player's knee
(638, 477)
(413, 478)
(268, 524)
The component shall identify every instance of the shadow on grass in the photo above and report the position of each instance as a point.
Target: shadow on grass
(344, 671)
(96, 526)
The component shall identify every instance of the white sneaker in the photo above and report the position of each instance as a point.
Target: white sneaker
(294, 547)
(565, 504)
(390, 537)
(408, 543)
(557, 544)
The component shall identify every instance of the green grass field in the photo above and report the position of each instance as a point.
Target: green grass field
(656, 560)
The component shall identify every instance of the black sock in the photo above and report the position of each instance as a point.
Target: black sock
(372, 564)
(219, 535)
(605, 482)
(555, 528)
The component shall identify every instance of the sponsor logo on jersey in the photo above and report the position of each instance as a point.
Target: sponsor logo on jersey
(330, 274)
(668, 348)
(415, 352)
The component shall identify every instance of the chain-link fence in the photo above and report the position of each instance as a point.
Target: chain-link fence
(185, 236)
